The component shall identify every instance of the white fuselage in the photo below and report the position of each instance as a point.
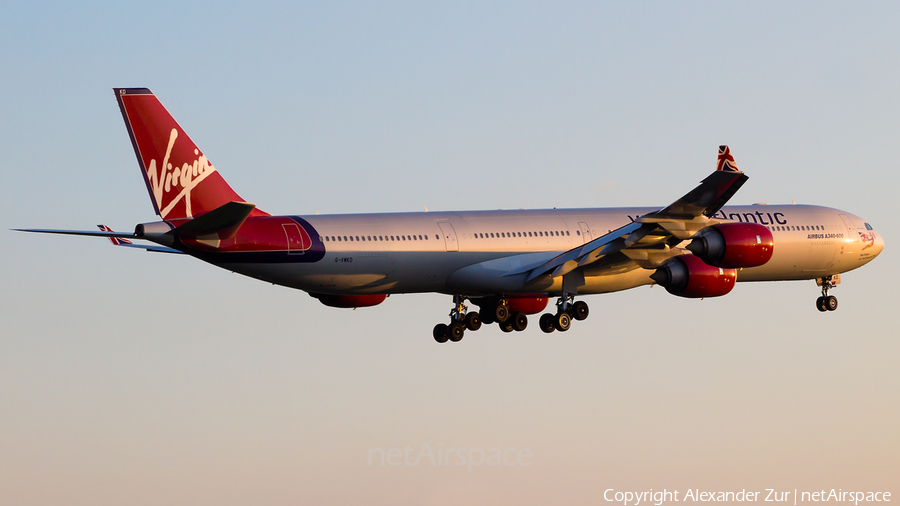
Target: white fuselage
(473, 252)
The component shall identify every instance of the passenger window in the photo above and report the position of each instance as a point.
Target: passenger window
(578, 232)
(567, 232)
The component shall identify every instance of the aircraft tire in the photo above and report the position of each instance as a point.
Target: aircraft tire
(473, 321)
(440, 332)
(455, 332)
(563, 322)
(501, 314)
(546, 323)
(519, 321)
(831, 303)
(820, 304)
(580, 310)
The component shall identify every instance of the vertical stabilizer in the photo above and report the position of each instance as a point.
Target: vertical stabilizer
(182, 182)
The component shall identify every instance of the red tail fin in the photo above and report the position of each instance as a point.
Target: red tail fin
(181, 181)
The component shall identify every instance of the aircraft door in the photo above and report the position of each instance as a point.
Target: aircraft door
(585, 232)
(852, 236)
(449, 234)
(297, 241)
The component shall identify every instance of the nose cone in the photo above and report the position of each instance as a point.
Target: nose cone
(878, 245)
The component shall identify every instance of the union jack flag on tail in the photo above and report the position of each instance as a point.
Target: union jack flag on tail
(726, 161)
(117, 241)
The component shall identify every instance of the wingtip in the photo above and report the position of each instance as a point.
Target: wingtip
(725, 160)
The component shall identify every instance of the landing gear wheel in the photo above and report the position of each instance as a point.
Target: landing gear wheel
(580, 310)
(455, 332)
(562, 322)
(440, 332)
(506, 326)
(519, 321)
(830, 303)
(473, 321)
(820, 304)
(501, 314)
(546, 323)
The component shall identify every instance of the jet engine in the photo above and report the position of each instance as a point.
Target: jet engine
(733, 245)
(689, 276)
(350, 301)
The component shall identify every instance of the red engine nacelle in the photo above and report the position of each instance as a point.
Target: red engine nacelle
(350, 301)
(527, 305)
(689, 276)
(734, 245)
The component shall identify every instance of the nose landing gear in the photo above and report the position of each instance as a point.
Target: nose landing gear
(827, 302)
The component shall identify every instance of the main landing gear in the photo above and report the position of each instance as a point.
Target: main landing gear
(566, 310)
(827, 302)
(460, 320)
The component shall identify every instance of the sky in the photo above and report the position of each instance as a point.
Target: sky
(137, 378)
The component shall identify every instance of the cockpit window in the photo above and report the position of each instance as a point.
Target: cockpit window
(869, 227)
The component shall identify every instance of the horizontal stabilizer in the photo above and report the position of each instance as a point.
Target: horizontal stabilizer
(122, 237)
(89, 233)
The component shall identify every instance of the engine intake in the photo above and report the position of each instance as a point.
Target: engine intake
(734, 245)
(689, 276)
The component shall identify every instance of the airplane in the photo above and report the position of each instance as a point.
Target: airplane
(508, 263)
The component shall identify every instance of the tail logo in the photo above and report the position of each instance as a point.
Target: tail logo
(726, 161)
(169, 178)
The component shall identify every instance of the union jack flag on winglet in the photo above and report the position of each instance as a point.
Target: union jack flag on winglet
(726, 161)
(117, 241)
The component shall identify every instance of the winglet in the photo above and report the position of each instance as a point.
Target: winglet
(726, 161)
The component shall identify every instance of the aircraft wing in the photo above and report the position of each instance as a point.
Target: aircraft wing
(649, 240)
(117, 238)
